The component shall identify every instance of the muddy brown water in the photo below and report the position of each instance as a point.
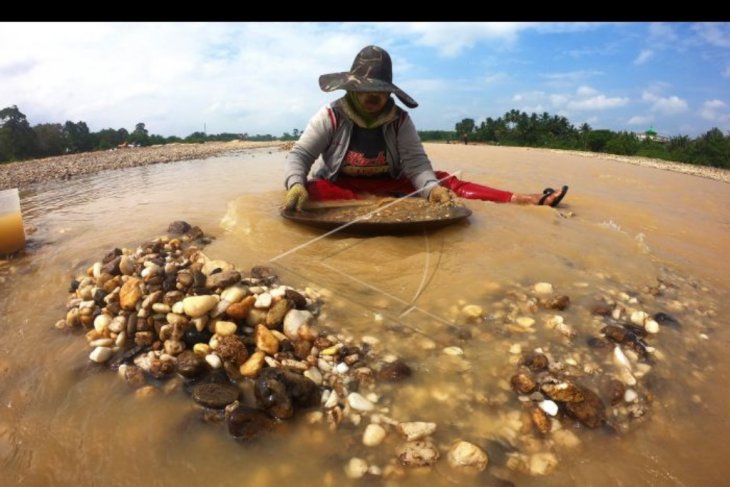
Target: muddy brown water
(623, 227)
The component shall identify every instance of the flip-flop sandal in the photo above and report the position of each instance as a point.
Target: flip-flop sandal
(549, 191)
(546, 192)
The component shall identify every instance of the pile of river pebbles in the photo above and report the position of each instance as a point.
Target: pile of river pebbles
(253, 353)
(594, 364)
(246, 348)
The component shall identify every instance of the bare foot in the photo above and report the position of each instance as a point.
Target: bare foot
(534, 199)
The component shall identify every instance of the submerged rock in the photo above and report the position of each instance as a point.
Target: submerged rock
(464, 454)
(394, 371)
(418, 453)
(189, 364)
(178, 227)
(563, 392)
(523, 383)
(216, 396)
(535, 361)
(590, 411)
(279, 391)
(556, 302)
(666, 319)
(298, 301)
(245, 423)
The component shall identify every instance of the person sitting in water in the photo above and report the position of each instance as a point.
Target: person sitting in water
(370, 145)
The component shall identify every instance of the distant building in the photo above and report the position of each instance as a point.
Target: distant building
(651, 134)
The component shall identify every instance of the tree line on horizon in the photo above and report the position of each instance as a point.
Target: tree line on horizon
(516, 128)
(19, 140)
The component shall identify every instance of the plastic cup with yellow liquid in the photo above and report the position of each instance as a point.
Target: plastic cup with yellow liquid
(12, 235)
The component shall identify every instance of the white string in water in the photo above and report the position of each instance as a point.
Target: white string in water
(411, 307)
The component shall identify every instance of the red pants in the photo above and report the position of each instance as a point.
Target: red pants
(347, 188)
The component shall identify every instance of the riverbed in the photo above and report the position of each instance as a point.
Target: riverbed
(462, 306)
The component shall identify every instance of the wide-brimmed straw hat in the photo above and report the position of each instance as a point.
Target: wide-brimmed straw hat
(372, 70)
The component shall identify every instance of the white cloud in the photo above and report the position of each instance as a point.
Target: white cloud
(665, 105)
(450, 38)
(599, 102)
(659, 31)
(175, 77)
(714, 33)
(262, 77)
(713, 110)
(496, 78)
(641, 120)
(571, 76)
(644, 56)
(432, 84)
(530, 96)
(585, 98)
(588, 98)
(557, 100)
(15, 67)
(586, 91)
(533, 108)
(714, 104)
(567, 27)
(670, 105)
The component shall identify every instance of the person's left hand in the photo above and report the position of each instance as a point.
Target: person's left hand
(439, 194)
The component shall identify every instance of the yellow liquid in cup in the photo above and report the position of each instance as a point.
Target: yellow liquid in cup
(12, 236)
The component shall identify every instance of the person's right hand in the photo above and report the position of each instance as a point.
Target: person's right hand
(296, 197)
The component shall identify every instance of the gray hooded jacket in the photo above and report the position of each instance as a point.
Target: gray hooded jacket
(328, 134)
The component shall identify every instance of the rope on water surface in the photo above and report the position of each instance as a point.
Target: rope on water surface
(421, 286)
(385, 293)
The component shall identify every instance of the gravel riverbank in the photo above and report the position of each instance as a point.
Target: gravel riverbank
(716, 173)
(25, 173)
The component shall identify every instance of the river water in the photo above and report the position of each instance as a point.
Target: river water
(650, 240)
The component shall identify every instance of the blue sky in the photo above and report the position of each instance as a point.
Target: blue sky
(260, 77)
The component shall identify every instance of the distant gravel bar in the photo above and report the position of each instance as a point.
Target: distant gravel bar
(25, 173)
(716, 173)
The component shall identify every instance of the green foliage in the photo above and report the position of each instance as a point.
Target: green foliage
(17, 139)
(109, 138)
(597, 140)
(140, 136)
(711, 149)
(261, 138)
(225, 137)
(545, 130)
(623, 143)
(430, 135)
(465, 127)
(77, 137)
(296, 133)
(196, 138)
(49, 139)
